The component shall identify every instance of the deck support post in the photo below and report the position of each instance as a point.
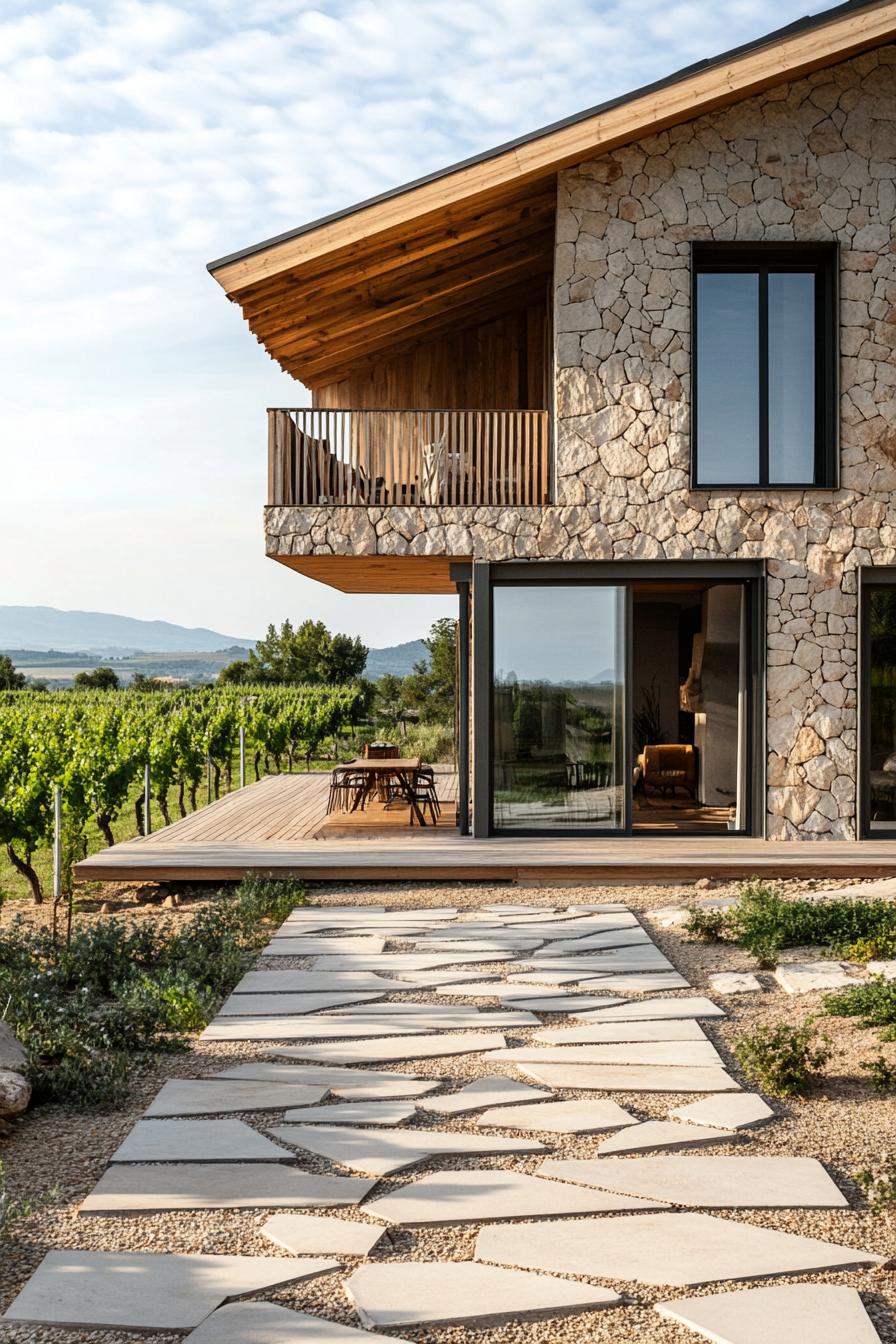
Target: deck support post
(147, 798)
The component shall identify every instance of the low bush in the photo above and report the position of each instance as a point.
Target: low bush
(873, 1003)
(783, 1060)
(882, 1074)
(879, 1182)
(876, 947)
(764, 922)
(90, 1010)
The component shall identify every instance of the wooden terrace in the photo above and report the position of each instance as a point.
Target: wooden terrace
(280, 825)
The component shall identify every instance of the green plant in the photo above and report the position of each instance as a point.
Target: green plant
(13, 1210)
(875, 947)
(783, 1060)
(879, 1182)
(707, 924)
(873, 1002)
(883, 1074)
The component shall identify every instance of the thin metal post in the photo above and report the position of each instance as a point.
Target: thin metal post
(208, 778)
(147, 794)
(242, 756)
(57, 843)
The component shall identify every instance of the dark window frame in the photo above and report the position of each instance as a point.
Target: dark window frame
(822, 260)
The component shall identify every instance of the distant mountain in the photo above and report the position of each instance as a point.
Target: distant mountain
(44, 628)
(399, 659)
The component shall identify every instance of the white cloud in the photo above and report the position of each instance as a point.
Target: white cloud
(141, 138)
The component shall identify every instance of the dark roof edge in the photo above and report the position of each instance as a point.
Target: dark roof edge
(767, 39)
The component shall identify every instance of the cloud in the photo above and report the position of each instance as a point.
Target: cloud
(140, 138)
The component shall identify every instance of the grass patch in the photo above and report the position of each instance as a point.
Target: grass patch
(784, 1061)
(873, 1003)
(764, 923)
(90, 1010)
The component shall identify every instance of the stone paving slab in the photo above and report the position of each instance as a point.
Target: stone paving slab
(419, 1292)
(354, 1113)
(609, 1033)
(413, 980)
(709, 1182)
(405, 1047)
(139, 1291)
(885, 968)
(664, 1134)
(512, 993)
(675, 1054)
(678, 1249)
(806, 977)
(242, 1004)
(587, 1116)
(630, 961)
(197, 1141)
(818, 1312)
(630, 1078)
(728, 1112)
(734, 982)
(364, 1084)
(487, 1196)
(645, 983)
(496, 1090)
(211, 1096)
(563, 1003)
(266, 1323)
(442, 1015)
(307, 1234)
(285, 943)
(173, 1187)
(655, 1010)
(594, 942)
(378, 1153)
(390, 963)
(271, 981)
(301, 1029)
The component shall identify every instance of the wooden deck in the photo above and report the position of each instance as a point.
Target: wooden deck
(275, 825)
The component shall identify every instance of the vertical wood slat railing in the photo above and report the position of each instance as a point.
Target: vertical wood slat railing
(439, 458)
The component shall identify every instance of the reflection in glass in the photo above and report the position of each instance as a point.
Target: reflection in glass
(791, 377)
(558, 706)
(728, 377)
(882, 709)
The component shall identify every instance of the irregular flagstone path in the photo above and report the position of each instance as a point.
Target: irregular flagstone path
(479, 1196)
(818, 1312)
(432, 1293)
(679, 1249)
(209, 1185)
(266, 1323)
(805, 977)
(147, 1292)
(709, 1182)
(355, 1006)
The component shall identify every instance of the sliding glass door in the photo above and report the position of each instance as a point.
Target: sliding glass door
(558, 707)
(879, 708)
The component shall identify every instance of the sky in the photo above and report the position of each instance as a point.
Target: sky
(140, 139)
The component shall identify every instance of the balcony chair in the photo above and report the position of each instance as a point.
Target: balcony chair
(667, 766)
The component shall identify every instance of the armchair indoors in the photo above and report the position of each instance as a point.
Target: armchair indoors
(668, 766)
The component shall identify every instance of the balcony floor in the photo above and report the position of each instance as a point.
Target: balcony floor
(276, 826)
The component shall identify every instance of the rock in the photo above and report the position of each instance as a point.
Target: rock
(12, 1056)
(15, 1093)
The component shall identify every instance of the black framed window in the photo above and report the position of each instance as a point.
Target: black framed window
(764, 365)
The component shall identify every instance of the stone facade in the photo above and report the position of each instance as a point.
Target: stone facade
(814, 161)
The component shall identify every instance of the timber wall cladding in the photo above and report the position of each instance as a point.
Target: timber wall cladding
(810, 160)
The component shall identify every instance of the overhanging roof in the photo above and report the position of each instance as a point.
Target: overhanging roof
(380, 276)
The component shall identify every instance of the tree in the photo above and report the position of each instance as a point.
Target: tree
(10, 679)
(100, 679)
(430, 687)
(309, 656)
(389, 699)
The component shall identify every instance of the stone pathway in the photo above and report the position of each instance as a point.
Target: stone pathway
(380, 992)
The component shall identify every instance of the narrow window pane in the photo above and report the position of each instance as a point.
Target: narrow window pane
(881, 764)
(791, 377)
(558, 707)
(728, 377)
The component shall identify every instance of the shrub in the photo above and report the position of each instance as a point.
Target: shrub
(873, 1002)
(783, 1060)
(883, 1074)
(879, 1182)
(876, 947)
(709, 925)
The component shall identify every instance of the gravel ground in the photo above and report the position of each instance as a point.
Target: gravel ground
(845, 1125)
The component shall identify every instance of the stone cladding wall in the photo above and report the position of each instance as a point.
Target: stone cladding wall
(813, 160)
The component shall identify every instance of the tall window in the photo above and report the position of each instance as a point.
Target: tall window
(764, 365)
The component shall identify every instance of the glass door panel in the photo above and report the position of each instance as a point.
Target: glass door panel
(881, 710)
(558, 707)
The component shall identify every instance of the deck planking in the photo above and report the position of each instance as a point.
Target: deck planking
(274, 826)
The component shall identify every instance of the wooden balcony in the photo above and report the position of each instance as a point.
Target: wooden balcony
(438, 458)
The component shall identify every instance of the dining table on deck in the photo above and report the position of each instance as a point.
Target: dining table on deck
(399, 772)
